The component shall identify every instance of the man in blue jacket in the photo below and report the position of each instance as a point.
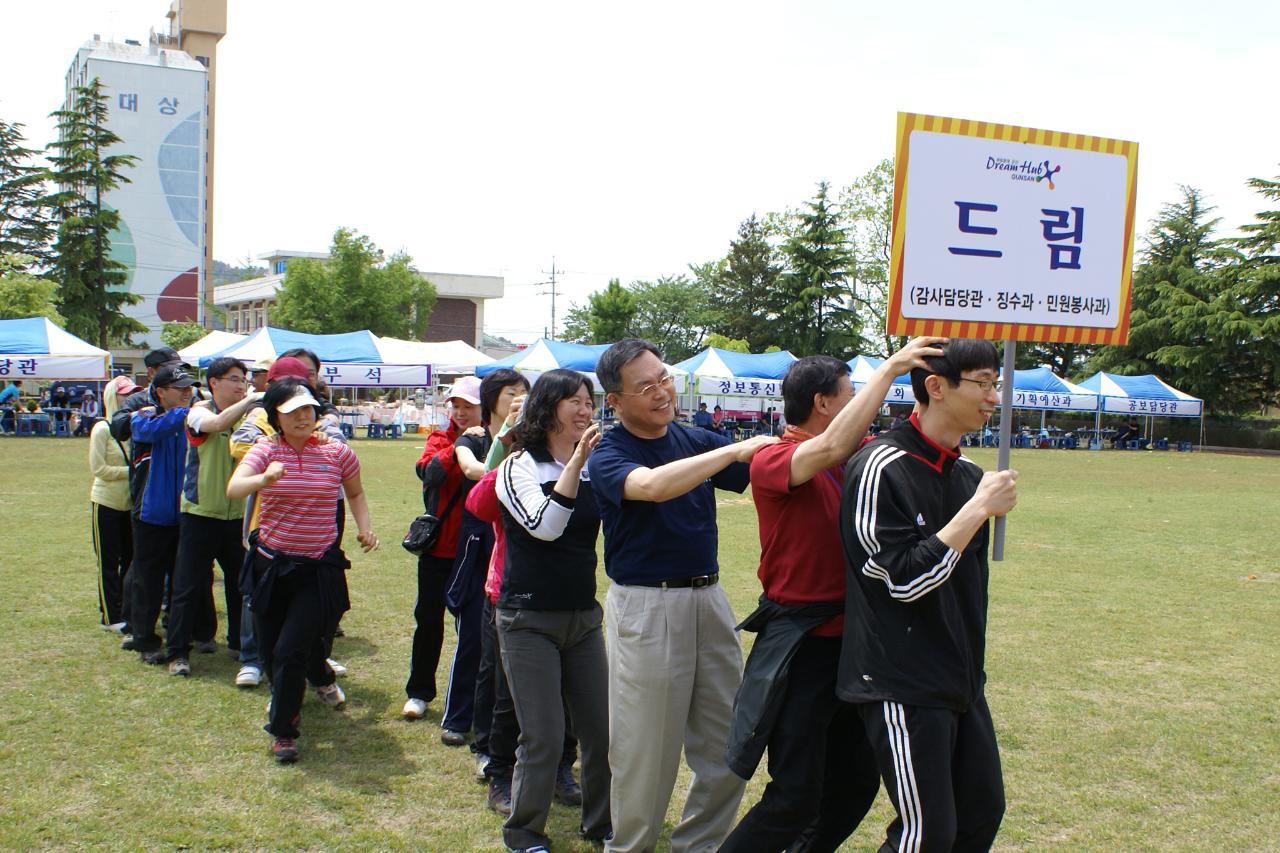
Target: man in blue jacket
(155, 541)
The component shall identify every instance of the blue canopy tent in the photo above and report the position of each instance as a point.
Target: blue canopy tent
(1147, 396)
(862, 366)
(545, 354)
(741, 374)
(349, 360)
(34, 348)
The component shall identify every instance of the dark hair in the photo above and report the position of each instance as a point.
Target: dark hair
(280, 391)
(813, 374)
(219, 367)
(538, 417)
(958, 355)
(491, 389)
(299, 352)
(618, 356)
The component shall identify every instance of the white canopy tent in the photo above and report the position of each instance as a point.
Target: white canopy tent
(214, 342)
(456, 357)
(349, 360)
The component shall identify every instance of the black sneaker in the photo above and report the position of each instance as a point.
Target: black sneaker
(129, 645)
(155, 657)
(596, 838)
(207, 647)
(499, 798)
(448, 737)
(567, 790)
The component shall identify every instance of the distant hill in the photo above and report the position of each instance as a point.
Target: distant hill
(224, 273)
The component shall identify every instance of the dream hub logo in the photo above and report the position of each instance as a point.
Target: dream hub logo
(1025, 170)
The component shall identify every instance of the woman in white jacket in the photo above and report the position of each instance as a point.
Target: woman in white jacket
(109, 509)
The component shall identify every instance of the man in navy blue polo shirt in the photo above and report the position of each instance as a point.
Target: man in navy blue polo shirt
(675, 662)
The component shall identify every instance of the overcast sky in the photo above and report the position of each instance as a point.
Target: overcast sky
(630, 141)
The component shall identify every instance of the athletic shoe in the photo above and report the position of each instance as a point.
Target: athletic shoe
(482, 761)
(248, 676)
(414, 709)
(332, 695)
(448, 737)
(338, 669)
(129, 645)
(155, 657)
(499, 797)
(537, 848)
(567, 790)
(179, 666)
(115, 628)
(285, 749)
(207, 647)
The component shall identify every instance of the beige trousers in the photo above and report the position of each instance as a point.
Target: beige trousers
(675, 664)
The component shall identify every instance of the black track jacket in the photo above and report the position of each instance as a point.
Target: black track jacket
(915, 611)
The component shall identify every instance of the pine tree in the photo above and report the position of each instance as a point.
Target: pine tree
(745, 287)
(819, 316)
(91, 285)
(1186, 323)
(25, 227)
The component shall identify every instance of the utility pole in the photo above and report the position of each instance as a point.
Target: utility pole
(553, 295)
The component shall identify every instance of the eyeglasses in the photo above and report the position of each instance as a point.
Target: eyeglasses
(985, 384)
(667, 381)
(234, 380)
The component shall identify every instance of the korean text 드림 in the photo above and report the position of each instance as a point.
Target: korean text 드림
(1063, 233)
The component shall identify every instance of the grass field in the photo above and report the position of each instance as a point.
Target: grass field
(1133, 664)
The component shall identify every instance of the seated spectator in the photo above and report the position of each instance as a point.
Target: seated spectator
(703, 418)
(88, 413)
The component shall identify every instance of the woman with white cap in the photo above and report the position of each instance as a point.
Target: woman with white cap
(298, 575)
(442, 481)
(109, 508)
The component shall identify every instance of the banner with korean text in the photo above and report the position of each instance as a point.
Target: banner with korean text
(360, 375)
(1011, 233)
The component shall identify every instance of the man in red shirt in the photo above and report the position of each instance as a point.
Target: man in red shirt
(823, 773)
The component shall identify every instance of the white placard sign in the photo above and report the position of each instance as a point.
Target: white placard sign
(1003, 232)
(356, 375)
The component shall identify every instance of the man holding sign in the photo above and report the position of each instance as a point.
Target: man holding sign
(913, 522)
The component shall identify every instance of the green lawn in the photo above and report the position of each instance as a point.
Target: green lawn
(1134, 676)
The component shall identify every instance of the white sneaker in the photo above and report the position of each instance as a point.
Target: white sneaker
(338, 669)
(115, 628)
(332, 695)
(248, 676)
(414, 709)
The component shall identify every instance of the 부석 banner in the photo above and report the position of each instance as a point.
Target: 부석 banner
(1011, 233)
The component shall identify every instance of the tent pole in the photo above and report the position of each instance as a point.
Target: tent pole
(1006, 438)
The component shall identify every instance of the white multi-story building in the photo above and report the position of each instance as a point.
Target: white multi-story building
(157, 106)
(161, 100)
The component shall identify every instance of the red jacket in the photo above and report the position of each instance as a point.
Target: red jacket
(439, 446)
(482, 502)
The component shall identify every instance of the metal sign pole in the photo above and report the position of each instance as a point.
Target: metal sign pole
(1006, 439)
